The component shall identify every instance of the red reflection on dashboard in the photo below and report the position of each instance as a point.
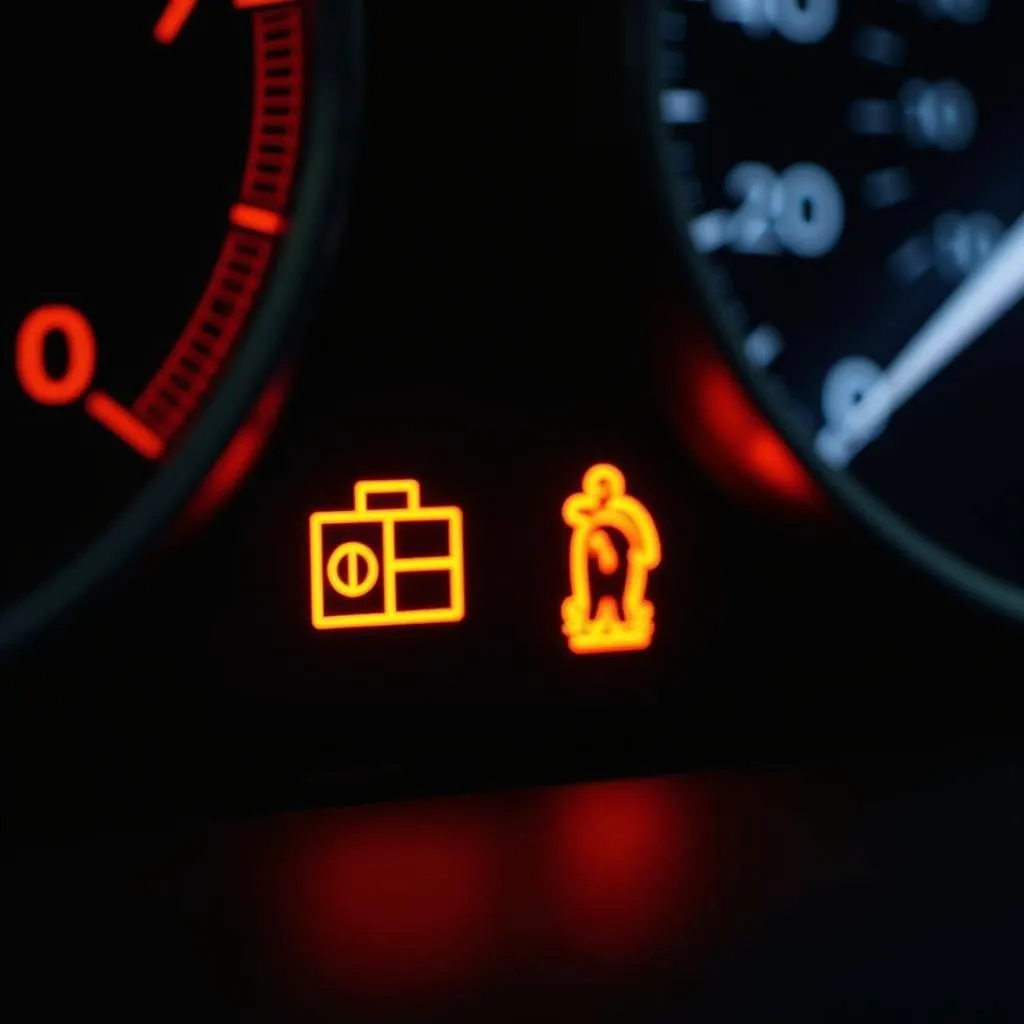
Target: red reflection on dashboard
(621, 857)
(388, 902)
(239, 457)
(727, 431)
(439, 906)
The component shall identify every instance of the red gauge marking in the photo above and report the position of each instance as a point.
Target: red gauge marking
(174, 392)
(172, 21)
(176, 389)
(30, 355)
(255, 218)
(178, 386)
(277, 110)
(119, 421)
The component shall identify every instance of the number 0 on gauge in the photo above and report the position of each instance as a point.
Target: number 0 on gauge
(179, 169)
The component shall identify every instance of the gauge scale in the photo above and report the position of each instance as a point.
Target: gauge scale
(180, 171)
(847, 186)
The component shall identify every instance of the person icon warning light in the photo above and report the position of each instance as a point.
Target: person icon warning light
(613, 539)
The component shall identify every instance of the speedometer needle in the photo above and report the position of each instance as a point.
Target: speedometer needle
(988, 294)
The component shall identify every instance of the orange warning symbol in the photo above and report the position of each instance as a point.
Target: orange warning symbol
(365, 568)
(608, 527)
(356, 580)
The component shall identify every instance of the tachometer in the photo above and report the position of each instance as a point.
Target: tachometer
(847, 182)
(176, 174)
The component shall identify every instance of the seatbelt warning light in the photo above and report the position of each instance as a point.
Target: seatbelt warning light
(359, 571)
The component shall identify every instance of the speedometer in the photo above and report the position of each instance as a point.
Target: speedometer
(847, 186)
(178, 175)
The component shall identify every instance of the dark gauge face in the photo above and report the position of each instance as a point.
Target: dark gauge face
(848, 181)
(177, 164)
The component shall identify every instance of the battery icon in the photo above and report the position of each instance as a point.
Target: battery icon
(401, 565)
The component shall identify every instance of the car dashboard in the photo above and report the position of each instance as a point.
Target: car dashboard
(512, 515)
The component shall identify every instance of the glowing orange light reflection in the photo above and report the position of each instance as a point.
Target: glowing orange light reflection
(727, 431)
(620, 860)
(241, 454)
(432, 902)
(389, 901)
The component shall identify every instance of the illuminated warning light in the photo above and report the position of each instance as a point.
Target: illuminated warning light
(623, 621)
(359, 575)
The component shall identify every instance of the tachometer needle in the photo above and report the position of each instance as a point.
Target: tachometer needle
(983, 298)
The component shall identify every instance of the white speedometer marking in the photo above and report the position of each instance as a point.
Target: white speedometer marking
(799, 210)
(984, 297)
(673, 26)
(683, 106)
(710, 231)
(938, 115)
(912, 260)
(889, 186)
(763, 345)
(880, 46)
(874, 117)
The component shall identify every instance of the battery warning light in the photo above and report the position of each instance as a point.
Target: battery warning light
(608, 609)
(387, 566)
